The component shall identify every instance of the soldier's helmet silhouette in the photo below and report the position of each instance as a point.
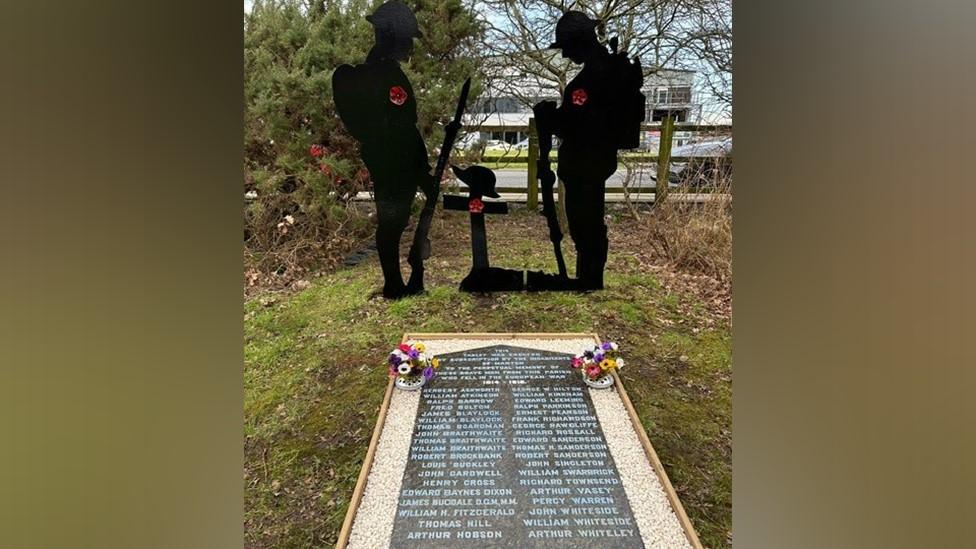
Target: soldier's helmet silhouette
(575, 33)
(396, 27)
(479, 179)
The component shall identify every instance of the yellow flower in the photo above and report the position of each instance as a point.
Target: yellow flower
(436, 362)
(420, 347)
(605, 364)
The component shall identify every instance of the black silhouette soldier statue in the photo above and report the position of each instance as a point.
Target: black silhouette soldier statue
(601, 112)
(377, 105)
(483, 277)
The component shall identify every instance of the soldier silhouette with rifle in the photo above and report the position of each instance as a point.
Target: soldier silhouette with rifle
(377, 105)
(601, 111)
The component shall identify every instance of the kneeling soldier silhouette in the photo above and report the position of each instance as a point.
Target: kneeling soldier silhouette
(483, 277)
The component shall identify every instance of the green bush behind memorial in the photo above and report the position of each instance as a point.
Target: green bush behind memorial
(291, 49)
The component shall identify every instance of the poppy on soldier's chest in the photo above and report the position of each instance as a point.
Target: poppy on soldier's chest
(579, 97)
(398, 96)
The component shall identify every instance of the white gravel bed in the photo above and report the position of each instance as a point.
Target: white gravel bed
(373, 525)
(658, 525)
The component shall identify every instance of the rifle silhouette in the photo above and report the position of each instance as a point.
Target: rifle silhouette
(548, 179)
(420, 249)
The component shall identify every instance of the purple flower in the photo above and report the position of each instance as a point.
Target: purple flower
(598, 358)
(394, 360)
(414, 354)
(606, 346)
(428, 372)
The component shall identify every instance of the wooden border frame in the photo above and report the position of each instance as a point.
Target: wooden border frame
(656, 464)
(652, 457)
(374, 441)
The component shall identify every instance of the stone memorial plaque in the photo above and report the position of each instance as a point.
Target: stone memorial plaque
(507, 451)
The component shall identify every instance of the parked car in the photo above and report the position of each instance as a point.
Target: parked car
(523, 145)
(702, 172)
(714, 147)
(469, 141)
(499, 144)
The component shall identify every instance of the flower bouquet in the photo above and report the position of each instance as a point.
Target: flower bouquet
(411, 366)
(597, 364)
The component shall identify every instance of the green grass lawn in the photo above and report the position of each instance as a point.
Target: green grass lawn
(522, 167)
(314, 372)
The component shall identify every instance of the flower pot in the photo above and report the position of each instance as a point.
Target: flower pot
(601, 382)
(410, 384)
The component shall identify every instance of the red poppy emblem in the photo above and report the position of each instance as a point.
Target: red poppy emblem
(398, 95)
(476, 206)
(579, 97)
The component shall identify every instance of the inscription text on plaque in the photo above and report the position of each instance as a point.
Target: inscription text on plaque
(507, 452)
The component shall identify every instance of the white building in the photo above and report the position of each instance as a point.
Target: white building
(508, 100)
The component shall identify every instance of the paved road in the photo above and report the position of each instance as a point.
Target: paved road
(610, 197)
(642, 190)
(519, 179)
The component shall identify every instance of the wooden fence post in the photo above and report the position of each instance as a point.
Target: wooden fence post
(664, 158)
(532, 188)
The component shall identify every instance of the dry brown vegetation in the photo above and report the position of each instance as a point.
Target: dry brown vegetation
(695, 237)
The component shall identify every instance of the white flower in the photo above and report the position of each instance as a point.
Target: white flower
(613, 346)
(620, 363)
(422, 357)
(403, 368)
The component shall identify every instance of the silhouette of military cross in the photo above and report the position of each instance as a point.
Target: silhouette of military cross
(479, 235)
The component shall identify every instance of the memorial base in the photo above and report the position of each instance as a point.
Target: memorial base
(410, 384)
(493, 279)
(599, 383)
(508, 447)
(538, 281)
